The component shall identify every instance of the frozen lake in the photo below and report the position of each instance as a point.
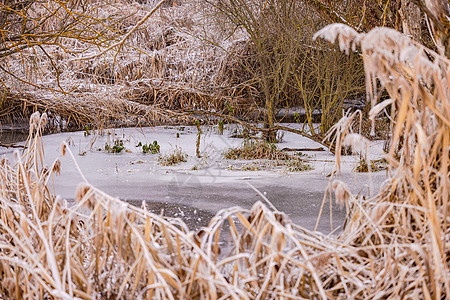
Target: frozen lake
(196, 195)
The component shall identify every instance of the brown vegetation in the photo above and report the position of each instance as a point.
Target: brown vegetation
(267, 156)
(395, 245)
(165, 61)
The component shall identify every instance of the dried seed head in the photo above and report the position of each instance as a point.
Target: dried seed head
(347, 37)
(43, 121)
(57, 167)
(281, 217)
(34, 120)
(378, 211)
(322, 259)
(341, 192)
(44, 171)
(63, 148)
(118, 210)
(85, 193)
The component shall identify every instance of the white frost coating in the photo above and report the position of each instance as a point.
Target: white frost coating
(378, 108)
(348, 37)
(387, 39)
(358, 143)
(384, 50)
(408, 54)
(341, 192)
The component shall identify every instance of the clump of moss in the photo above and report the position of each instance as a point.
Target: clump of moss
(152, 148)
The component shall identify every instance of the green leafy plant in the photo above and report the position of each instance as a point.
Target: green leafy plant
(297, 117)
(116, 147)
(86, 131)
(152, 148)
(220, 125)
(375, 165)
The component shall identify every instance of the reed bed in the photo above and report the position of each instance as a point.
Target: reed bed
(163, 63)
(395, 245)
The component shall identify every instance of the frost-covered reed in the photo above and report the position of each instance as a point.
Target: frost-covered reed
(395, 245)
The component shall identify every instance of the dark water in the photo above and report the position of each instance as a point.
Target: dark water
(12, 137)
(11, 134)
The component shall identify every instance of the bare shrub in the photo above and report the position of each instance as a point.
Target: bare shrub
(277, 65)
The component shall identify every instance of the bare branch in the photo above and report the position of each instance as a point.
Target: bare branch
(122, 41)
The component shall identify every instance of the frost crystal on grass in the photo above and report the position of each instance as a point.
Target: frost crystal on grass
(347, 37)
(342, 192)
(85, 195)
(358, 143)
(34, 120)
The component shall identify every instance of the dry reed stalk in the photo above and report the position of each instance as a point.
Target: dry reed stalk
(395, 245)
(409, 215)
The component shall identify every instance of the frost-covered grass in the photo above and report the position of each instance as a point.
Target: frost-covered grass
(161, 65)
(267, 155)
(256, 149)
(176, 156)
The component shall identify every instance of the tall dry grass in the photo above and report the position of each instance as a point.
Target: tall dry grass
(395, 245)
(127, 52)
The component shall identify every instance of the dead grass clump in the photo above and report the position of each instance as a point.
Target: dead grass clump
(375, 165)
(182, 97)
(407, 222)
(256, 149)
(267, 156)
(49, 250)
(83, 108)
(173, 158)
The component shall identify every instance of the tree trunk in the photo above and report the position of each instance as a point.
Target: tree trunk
(270, 136)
